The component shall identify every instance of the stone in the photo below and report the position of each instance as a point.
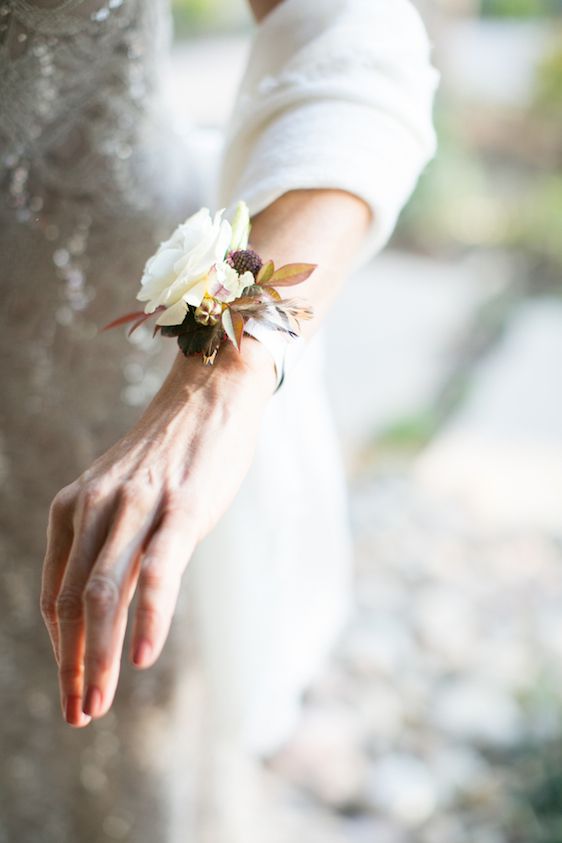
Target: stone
(325, 756)
(474, 710)
(403, 787)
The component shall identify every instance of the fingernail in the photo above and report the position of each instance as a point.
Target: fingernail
(92, 701)
(142, 652)
(73, 710)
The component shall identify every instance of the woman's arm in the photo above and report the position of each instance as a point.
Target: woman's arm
(131, 521)
(260, 8)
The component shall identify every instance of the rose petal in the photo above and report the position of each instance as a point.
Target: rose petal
(173, 315)
(163, 262)
(194, 296)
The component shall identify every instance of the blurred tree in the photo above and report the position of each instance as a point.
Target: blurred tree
(521, 8)
(195, 16)
(548, 89)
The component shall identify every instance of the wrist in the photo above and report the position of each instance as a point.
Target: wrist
(248, 372)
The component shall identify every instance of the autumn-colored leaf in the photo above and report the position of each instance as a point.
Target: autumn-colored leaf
(265, 273)
(272, 292)
(238, 322)
(292, 273)
(122, 320)
(139, 322)
(136, 316)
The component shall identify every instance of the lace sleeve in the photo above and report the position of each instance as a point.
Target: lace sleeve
(335, 94)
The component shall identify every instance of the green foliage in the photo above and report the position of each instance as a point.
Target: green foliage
(196, 16)
(536, 225)
(548, 87)
(520, 8)
(409, 433)
(467, 198)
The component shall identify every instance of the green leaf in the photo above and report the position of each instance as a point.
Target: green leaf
(240, 227)
(292, 273)
(265, 273)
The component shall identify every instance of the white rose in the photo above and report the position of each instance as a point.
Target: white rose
(179, 272)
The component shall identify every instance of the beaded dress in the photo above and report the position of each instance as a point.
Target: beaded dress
(91, 179)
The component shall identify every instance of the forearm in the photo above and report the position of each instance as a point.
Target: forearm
(325, 227)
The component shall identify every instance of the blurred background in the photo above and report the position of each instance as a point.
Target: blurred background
(439, 718)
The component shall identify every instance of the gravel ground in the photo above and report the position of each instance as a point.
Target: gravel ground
(431, 723)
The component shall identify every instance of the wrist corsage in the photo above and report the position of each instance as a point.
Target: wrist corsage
(205, 283)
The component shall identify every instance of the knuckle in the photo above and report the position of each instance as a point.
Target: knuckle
(69, 605)
(90, 496)
(71, 674)
(63, 501)
(148, 615)
(98, 662)
(132, 494)
(152, 575)
(101, 595)
(47, 604)
(177, 509)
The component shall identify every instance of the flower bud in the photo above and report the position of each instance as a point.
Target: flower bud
(245, 260)
(209, 311)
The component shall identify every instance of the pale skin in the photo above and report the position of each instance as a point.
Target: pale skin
(129, 524)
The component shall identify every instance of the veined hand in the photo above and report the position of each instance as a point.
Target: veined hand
(130, 523)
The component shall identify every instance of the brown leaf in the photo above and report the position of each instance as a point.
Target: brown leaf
(272, 292)
(292, 273)
(122, 320)
(138, 323)
(238, 323)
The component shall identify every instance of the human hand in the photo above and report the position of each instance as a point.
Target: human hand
(132, 520)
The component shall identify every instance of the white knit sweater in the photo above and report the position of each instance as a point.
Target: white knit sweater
(336, 93)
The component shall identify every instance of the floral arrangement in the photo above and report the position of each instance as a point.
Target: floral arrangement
(204, 283)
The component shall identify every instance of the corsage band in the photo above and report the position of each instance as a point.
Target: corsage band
(206, 285)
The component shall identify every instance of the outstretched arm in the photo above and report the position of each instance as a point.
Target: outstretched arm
(329, 133)
(131, 521)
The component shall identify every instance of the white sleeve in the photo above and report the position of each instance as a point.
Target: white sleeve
(335, 94)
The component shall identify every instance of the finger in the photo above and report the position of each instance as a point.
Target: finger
(59, 542)
(90, 527)
(106, 599)
(162, 566)
(113, 675)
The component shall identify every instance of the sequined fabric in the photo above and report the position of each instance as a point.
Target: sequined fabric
(91, 179)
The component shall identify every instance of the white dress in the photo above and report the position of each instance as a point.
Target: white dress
(93, 176)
